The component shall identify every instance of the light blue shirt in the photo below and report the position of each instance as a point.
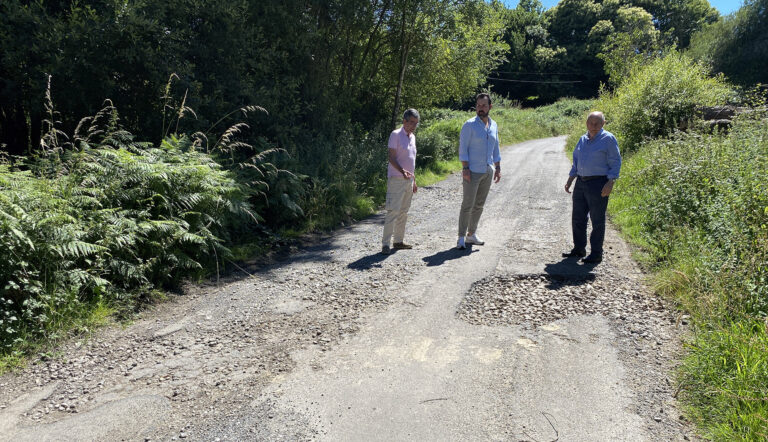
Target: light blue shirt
(598, 156)
(479, 145)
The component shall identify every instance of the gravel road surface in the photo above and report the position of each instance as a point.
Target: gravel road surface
(505, 341)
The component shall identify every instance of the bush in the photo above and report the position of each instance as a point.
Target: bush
(659, 96)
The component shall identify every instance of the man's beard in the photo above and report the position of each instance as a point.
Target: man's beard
(482, 114)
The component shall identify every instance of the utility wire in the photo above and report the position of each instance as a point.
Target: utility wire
(539, 73)
(532, 81)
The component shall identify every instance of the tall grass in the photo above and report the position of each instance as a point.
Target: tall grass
(698, 204)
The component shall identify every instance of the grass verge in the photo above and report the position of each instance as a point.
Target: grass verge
(697, 205)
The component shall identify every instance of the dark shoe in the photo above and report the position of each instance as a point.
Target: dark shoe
(385, 250)
(401, 246)
(592, 259)
(575, 254)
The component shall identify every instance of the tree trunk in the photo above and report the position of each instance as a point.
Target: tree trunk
(404, 47)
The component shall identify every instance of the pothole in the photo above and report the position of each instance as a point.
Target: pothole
(538, 299)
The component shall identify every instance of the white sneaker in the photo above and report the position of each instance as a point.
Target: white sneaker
(460, 243)
(474, 239)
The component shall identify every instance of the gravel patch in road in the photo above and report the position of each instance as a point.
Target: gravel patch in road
(535, 300)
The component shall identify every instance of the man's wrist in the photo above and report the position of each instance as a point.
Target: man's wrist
(465, 168)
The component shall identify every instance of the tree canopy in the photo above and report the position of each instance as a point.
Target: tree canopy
(554, 53)
(316, 66)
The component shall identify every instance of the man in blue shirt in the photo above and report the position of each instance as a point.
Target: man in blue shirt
(596, 166)
(481, 164)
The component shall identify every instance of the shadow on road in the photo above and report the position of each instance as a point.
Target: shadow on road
(367, 262)
(440, 258)
(569, 271)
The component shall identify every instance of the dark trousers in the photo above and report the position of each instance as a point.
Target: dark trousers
(588, 202)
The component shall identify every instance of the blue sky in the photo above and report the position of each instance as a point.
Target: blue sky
(724, 6)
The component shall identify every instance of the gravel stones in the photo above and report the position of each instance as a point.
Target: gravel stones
(535, 300)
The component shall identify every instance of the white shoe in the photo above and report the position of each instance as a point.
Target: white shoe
(460, 243)
(474, 239)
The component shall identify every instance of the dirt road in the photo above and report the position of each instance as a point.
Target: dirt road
(505, 341)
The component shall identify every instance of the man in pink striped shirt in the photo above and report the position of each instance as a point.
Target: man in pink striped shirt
(401, 181)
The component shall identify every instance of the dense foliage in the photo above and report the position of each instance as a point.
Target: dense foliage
(660, 97)
(737, 45)
(333, 76)
(316, 66)
(554, 53)
(699, 205)
(106, 219)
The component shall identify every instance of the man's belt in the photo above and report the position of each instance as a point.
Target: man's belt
(592, 177)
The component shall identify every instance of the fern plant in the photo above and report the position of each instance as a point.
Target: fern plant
(104, 218)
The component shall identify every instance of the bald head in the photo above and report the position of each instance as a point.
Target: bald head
(595, 122)
(597, 115)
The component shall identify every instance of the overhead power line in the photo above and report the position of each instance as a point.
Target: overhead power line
(532, 81)
(539, 73)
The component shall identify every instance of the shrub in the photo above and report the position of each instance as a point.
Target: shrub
(659, 96)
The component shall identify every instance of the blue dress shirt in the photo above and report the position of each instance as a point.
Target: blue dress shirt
(598, 156)
(479, 145)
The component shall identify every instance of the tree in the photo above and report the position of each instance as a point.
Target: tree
(737, 45)
(679, 19)
(631, 43)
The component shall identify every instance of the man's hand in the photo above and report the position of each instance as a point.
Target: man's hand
(466, 174)
(415, 187)
(497, 176)
(568, 184)
(607, 188)
(407, 175)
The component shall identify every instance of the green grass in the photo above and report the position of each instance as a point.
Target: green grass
(724, 378)
(697, 205)
(436, 172)
(81, 323)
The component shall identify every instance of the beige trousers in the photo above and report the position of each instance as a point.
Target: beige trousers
(475, 193)
(399, 196)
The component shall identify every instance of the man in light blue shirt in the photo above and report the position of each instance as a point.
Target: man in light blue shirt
(481, 164)
(596, 166)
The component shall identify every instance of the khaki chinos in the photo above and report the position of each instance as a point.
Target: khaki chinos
(399, 196)
(475, 193)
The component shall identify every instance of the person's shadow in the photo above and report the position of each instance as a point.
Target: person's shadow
(440, 258)
(569, 271)
(368, 262)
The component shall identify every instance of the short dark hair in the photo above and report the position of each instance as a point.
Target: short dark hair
(482, 95)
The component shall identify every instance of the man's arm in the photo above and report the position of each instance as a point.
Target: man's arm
(393, 161)
(568, 183)
(497, 158)
(572, 173)
(464, 137)
(614, 167)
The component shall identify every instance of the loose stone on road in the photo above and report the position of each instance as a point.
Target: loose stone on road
(505, 341)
